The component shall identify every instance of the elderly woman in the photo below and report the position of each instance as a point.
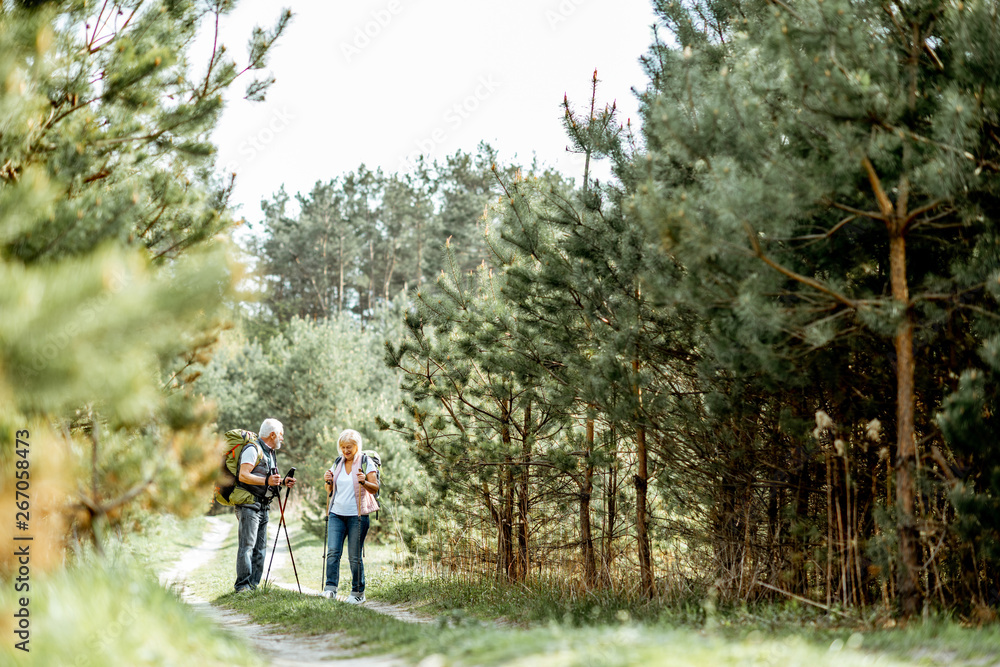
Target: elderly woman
(349, 482)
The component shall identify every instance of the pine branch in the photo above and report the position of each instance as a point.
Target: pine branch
(805, 280)
(211, 62)
(97, 25)
(819, 237)
(856, 211)
(100, 509)
(884, 204)
(827, 609)
(787, 8)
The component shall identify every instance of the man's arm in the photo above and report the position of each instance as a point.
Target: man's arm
(248, 477)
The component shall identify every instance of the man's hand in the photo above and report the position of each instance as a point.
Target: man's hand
(289, 482)
(274, 480)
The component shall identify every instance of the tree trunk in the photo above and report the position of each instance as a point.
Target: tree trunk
(523, 552)
(371, 279)
(420, 253)
(390, 269)
(340, 288)
(507, 564)
(641, 525)
(586, 537)
(611, 512)
(906, 450)
(507, 567)
(641, 483)
(502, 516)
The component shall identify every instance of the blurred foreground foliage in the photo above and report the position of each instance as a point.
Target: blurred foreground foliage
(115, 261)
(111, 610)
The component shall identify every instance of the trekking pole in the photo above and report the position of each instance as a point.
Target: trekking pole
(277, 532)
(277, 535)
(326, 535)
(288, 540)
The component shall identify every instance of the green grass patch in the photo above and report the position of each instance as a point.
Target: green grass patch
(543, 601)
(940, 640)
(310, 615)
(217, 577)
(382, 561)
(552, 623)
(462, 640)
(160, 539)
(112, 611)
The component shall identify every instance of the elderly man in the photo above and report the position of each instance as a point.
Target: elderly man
(258, 463)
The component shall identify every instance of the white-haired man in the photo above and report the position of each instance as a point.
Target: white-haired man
(258, 463)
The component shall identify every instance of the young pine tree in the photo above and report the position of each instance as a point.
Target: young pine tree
(827, 173)
(113, 268)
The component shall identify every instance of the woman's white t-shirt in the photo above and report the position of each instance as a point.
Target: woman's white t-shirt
(345, 503)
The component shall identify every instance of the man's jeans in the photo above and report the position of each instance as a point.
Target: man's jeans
(253, 541)
(353, 529)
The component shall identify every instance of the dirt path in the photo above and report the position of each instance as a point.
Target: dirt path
(279, 648)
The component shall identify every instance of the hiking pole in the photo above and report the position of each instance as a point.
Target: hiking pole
(277, 535)
(326, 535)
(288, 540)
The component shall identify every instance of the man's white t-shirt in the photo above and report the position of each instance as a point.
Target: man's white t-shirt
(345, 503)
(250, 456)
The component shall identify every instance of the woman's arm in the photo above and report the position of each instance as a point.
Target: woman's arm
(371, 482)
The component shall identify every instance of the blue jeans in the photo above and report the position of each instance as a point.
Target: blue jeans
(252, 543)
(353, 529)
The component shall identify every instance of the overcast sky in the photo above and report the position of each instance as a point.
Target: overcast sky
(380, 81)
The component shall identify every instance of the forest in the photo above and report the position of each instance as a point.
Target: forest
(757, 364)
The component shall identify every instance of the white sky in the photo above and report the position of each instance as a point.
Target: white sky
(379, 81)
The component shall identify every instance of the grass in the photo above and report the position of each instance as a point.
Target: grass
(547, 622)
(941, 640)
(360, 628)
(538, 602)
(111, 610)
(161, 539)
(381, 562)
(552, 622)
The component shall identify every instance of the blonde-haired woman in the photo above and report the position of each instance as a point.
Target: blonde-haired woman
(352, 475)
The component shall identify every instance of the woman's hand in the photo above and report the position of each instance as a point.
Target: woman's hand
(328, 476)
(361, 477)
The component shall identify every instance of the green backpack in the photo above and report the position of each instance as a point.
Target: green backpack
(226, 491)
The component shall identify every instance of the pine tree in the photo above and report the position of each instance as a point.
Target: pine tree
(823, 173)
(359, 239)
(113, 266)
(307, 260)
(484, 423)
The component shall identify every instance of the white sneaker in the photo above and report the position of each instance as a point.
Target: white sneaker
(355, 599)
(329, 594)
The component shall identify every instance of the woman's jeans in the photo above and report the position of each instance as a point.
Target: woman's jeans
(353, 529)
